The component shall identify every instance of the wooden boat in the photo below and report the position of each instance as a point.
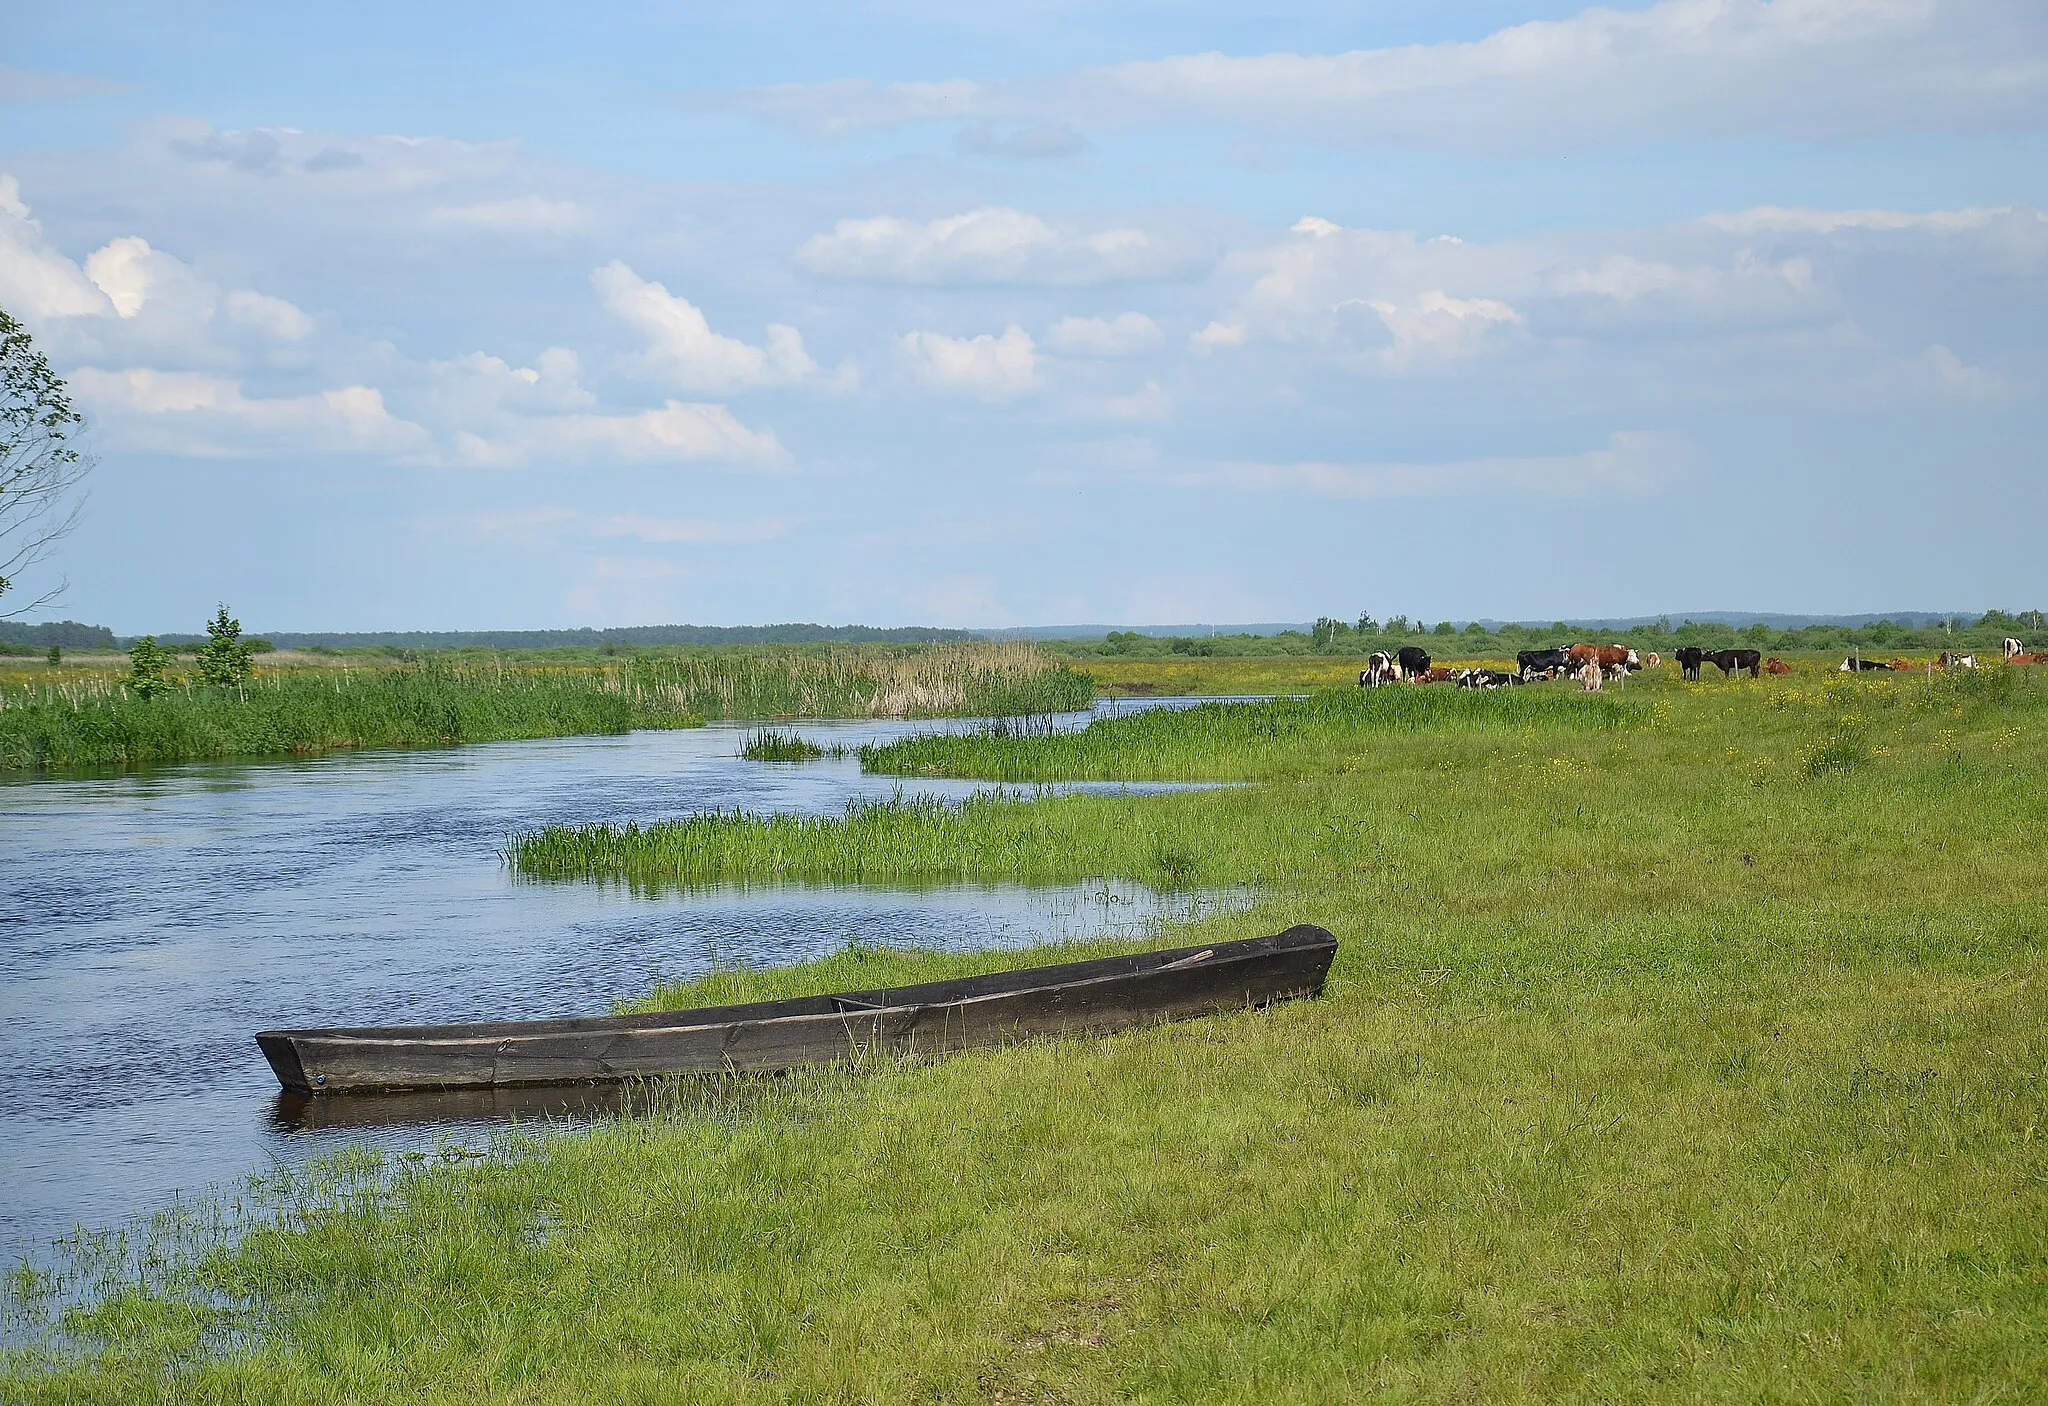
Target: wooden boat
(1112, 993)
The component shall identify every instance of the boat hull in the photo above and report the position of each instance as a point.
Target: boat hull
(1093, 997)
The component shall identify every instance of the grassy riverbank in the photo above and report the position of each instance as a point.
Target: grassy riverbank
(90, 718)
(1688, 1050)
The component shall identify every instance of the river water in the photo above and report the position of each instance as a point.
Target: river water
(150, 922)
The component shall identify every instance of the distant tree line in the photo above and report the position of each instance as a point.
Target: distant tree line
(1365, 635)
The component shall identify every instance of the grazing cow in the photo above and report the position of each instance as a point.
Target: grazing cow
(1531, 662)
(1957, 661)
(1853, 665)
(1612, 658)
(1734, 661)
(2013, 646)
(1379, 669)
(1689, 658)
(1413, 662)
(1775, 665)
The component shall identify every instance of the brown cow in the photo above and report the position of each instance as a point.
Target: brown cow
(1437, 674)
(1902, 666)
(1775, 665)
(1610, 657)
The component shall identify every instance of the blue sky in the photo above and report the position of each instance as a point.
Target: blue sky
(496, 316)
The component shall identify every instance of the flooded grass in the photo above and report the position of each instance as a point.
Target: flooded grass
(1653, 1066)
(768, 745)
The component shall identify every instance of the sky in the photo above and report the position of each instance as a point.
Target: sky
(505, 316)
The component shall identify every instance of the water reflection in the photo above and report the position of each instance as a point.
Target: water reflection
(150, 922)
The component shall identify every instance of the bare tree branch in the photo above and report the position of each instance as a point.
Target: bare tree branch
(41, 468)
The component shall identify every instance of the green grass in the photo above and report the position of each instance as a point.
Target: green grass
(1656, 1064)
(1247, 741)
(769, 745)
(100, 724)
(88, 718)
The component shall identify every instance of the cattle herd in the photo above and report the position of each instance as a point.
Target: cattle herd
(1592, 664)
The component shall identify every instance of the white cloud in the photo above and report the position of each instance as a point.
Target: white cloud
(1631, 463)
(1437, 327)
(263, 313)
(987, 366)
(185, 412)
(992, 244)
(1038, 141)
(1127, 334)
(683, 348)
(35, 280)
(1219, 334)
(1779, 219)
(521, 212)
(1805, 69)
(678, 432)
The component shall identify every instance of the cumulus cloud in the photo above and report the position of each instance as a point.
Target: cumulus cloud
(677, 432)
(35, 280)
(185, 412)
(1630, 463)
(1437, 327)
(1693, 69)
(988, 367)
(992, 245)
(1127, 334)
(262, 313)
(683, 348)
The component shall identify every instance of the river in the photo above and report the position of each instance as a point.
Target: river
(150, 922)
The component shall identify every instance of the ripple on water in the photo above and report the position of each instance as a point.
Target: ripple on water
(149, 923)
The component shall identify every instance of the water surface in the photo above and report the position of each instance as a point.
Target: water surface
(150, 922)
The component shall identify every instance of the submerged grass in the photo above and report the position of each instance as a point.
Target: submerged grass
(92, 719)
(1652, 1067)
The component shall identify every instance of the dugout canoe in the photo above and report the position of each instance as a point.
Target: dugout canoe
(1108, 994)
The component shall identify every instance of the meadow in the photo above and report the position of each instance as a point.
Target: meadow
(91, 717)
(1685, 1045)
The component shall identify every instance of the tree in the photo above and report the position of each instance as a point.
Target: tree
(56, 655)
(224, 658)
(41, 467)
(146, 663)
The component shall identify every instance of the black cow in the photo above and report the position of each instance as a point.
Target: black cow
(1414, 662)
(1531, 662)
(1853, 665)
(1689, 658)
(1734, 661)
(1486, 678)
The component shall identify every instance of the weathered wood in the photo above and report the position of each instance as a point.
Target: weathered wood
(1109, 994)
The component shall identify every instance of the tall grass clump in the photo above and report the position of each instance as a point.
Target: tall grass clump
(963, 680)
(768, 745)
(917, 840)
(1245, 741)
(103, 723)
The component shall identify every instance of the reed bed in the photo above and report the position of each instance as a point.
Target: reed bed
(92, 719)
